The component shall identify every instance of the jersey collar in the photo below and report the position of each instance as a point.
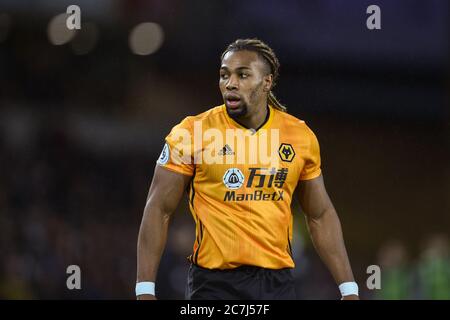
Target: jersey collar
(264, 125)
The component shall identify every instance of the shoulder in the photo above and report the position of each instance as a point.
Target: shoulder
(211, 114)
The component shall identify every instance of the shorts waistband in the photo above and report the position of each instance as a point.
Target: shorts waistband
(243, 268)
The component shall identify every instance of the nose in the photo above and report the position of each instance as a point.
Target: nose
(232, 83)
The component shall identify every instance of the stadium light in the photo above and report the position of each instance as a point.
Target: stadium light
(57, 31)
(146, 38)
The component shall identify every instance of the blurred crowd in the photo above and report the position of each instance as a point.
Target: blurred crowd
(426, 277)
(62, 207)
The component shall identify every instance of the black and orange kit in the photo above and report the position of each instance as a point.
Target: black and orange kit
(240, 200)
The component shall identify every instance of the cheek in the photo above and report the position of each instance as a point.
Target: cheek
(256, 93)
(221, 85)
(254, 98)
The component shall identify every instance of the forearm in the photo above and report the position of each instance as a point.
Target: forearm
(151, 242)
(326, 234)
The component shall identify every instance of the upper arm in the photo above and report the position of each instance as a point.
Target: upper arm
(173, 171)
(166, 189)
(313, 197)
(311, 156)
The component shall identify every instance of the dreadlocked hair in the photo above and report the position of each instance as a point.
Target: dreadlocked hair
(264, 51)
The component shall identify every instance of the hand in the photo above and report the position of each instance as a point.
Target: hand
(351, 297)
(146, 297)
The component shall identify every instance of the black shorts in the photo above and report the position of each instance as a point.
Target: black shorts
(242, 283)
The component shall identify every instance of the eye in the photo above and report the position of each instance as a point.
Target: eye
(243, 75)
(223, 76)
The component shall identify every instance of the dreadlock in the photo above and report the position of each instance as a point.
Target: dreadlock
(264, 51)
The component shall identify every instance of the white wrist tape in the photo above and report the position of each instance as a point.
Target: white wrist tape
(145, 288)
(348, 288)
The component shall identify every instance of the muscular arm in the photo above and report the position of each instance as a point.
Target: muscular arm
(325, 229)
(164, 195)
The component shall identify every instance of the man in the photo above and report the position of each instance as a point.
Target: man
(242, 207)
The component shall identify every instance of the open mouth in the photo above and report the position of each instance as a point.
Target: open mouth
(233, 101)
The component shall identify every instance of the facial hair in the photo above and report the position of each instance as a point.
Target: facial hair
(236, 114)
(243, 110)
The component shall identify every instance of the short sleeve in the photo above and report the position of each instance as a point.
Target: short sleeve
(311, 168)
(178, 149)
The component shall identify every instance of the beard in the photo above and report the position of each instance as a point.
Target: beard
(238, 112)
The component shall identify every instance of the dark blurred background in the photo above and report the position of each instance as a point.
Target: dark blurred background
(83, 116)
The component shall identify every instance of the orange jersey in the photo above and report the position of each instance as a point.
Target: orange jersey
(241, 203)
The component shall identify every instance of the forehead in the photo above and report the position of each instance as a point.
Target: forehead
(242, 58)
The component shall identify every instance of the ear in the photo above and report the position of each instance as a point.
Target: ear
(268, 81)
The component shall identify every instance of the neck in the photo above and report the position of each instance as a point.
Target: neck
(255, 120)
